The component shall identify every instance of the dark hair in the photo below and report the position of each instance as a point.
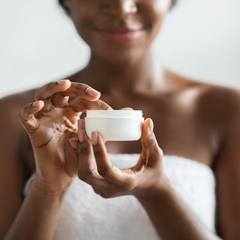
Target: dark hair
(66, 9)
(62, 5)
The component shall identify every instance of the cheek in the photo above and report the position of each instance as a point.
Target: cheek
(161, 6)
(154, 12)
(157, 10)
(83, 15)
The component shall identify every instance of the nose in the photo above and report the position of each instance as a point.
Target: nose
(119, 8)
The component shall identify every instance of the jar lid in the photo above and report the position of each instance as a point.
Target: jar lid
(114, 114)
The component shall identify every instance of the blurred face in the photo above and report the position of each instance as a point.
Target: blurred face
(118, 30)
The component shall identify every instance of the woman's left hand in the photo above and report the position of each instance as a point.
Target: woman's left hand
(145, 180)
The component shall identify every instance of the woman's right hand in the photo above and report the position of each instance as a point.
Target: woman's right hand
(51, 121)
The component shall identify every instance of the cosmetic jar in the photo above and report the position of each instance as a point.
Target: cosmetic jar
(116, 125)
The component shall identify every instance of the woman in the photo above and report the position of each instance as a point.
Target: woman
(198, 124)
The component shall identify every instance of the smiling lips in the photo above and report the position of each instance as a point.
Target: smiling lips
(120, 34)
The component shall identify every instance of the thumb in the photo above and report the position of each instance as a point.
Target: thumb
(27, 118)
(74, 144)
(151, 152)
(126, 109)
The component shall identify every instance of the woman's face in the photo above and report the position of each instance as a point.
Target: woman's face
(118, 30)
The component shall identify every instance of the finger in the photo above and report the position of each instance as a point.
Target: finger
(89, 173)
(87, 166)
(82, 90)
(81, 124)
(59, 100)
(110, 192)
(81, 105)
(101, 193)
(126, 109)
(45, 93)
(106, 169)
(73, 142)
(76, 90)
(151, 152)
(70, 157)
(27, 118)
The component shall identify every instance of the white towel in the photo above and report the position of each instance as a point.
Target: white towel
(87, 216)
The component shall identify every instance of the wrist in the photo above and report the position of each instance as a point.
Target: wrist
(53, 183)
(157, 192)
(48, 189)
(44, 198)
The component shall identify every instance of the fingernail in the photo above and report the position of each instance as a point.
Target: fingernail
(92, 92)
(73, 143)
(61, 82)
(36, 104)
(109, 109)
(80, 124)
(151, 126)
(81, 135)
(94, 138)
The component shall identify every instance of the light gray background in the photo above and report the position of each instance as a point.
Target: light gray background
(38, 43)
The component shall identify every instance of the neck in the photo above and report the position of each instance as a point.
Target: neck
(142, 76)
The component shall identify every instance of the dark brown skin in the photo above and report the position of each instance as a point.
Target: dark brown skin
(194, 120)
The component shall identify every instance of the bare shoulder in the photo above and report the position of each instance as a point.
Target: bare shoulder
(226, 98)
(219, 103)
(221, 107)
(211, 100)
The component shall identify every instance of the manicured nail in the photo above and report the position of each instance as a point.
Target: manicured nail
(61, 82)
(109, 109)
(151, 126)
(80, 124)
(94, 138)
(73, 143)
(92, 92)
(81, 135)
(36, 104)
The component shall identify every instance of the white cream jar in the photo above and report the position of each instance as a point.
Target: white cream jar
(116, 125)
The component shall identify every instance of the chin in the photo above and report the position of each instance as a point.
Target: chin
(119, 57)
(120, 53)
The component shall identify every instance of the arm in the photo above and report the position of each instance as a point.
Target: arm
(12, 170)
(172, 218)
(227, 171)
(38, 215)
(18, 216)
(50, 122)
